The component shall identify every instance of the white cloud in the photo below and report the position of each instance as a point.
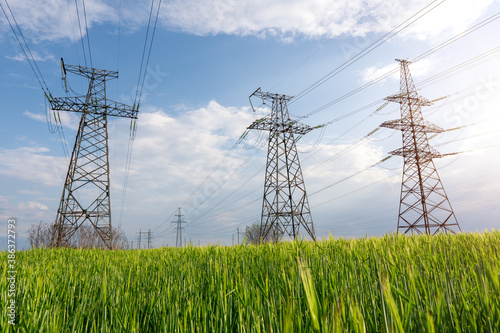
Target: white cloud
(36, 57)
(173, 155)
(450, 16)
(374, 72)
(337, 161)
(175, 150)
(417, 69)
(33, 164)
(314, 18)
(67, 119)
(55, 19)
(277, 18)
(35, 116)
(285, 19)
(36, 205)
(25, 213)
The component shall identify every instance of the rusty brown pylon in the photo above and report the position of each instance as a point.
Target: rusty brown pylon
(424, 207)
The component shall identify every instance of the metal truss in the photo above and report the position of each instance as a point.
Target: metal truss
(86, 197)
(285, 207)
(178, 228)
(424, 206)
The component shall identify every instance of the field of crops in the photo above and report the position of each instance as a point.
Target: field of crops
(443, 283)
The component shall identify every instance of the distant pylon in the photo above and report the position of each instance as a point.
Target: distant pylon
(284, 206)
(85, 196)
(179, 227)
(150, 238)
(424, 207)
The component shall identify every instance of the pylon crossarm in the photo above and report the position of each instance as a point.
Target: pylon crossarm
(100, 107)
(267, 124)
(424, 155)
(422, 127)
(117, 109)
(90, 72)
(414, 99)
(272, 97)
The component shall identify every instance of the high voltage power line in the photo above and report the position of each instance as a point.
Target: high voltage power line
(328, 186)
(434, 49)
(342, 180)
(360, 54)
(148, 40)
(394, 71)
(368, 135)
(86, 32)
(224, 181)
(93, 136)
(38, 74)
(435, 77)
(427, 81)
(35, 69)
(221, 230)
(405, 24)
(137, 99)
(371, 105)
(207, 218)
(384, 38)
(25, 48)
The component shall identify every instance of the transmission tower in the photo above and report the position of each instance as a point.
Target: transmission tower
(424, 207)
(179, 227)
(150, 238)
(85, 197)
(284, 206)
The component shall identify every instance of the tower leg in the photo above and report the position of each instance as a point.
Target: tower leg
(285, 206)
(85, 197)
(424, 205)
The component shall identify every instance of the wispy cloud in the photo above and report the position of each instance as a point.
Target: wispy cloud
(34, 164)
(315, 18)
(418, 69)
(36, 205)
(450, 16)
(173, 155)
(36, 56)
(26, 211)
(55, 20)
(67, 119)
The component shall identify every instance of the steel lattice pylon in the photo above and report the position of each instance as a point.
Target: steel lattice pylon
(85, 196)
(178, 228)
(424, 206)
(285, 206)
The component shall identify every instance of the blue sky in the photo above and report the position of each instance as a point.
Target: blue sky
(207, 58)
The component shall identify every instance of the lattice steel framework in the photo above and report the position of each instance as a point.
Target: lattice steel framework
(424, 206)
(178, 228)
(285, 206)
(85, 197)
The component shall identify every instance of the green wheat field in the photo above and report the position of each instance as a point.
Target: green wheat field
(444, 283)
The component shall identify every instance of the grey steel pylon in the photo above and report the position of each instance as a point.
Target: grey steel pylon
(285, 207)
(424, 206)
(178, 228)
(86, 197)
